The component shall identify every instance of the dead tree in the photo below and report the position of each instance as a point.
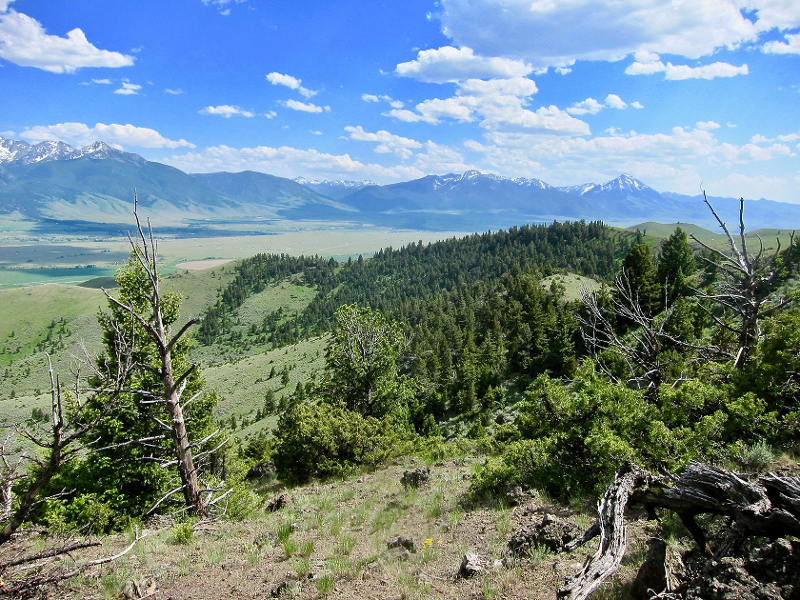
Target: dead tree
(746, 289)
(23, 570)
(64, 441)
(198, 499)
(769, 507)
(642, 349)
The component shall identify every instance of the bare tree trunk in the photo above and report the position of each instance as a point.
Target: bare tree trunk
(173, 384)
(746, 288)
(183, 449)
(768, 507)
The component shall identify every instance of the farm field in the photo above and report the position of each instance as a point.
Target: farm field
(34, 260)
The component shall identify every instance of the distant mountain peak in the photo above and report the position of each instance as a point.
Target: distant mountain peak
(20, 152)
(625, 181)
(343, 183)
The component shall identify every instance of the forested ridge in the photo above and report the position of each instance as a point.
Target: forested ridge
(394, 280)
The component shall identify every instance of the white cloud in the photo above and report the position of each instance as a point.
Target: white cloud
(172, 92)
(223, 5)
(707, 125)
(648, 63)
(392, 102)
(315, 132)
(790, 46)
(288, 162)
(24, 42)
(271, 114)
(291, 82)
(497, 104)
(128, 89)
(614, 101)
(102, 81)
(4, 5)
(449, 64)
(410, 116)
(589, 106)
(518, 87)
(562, 70)
(557, 33)
(226, 111)
(387, 142)
(441, 159)
(80, 134)
(305, 107)
(637, 104)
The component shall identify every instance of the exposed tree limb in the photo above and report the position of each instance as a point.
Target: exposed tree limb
(768, 507)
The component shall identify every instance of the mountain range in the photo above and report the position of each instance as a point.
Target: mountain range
(53, 181)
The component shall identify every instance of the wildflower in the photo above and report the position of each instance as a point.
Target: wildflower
(427, 543)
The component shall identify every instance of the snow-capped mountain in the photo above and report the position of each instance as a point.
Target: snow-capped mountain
(334, 189)
(23, 153)
(96, 183)
(623, 183)
(335, 182)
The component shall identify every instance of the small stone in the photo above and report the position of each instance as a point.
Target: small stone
(402, 542)
(471, 565)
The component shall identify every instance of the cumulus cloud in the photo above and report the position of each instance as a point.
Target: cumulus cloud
(286, 161)
(128, 89)
(496, 104)
(556, 34)
(647, 63)
(102, 81)
(790, 46)
(172, 92)
(291, 82)
(614, 101)
(449, 64)
(4, 5)
(392, 102)
(678, 160)
(637, 104)
(707, 125)
(589, 106)
(225, 110)
(79, 134)
(305, 106)
(24, 42)
(387, 142)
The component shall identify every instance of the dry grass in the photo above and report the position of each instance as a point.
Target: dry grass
(331, 541)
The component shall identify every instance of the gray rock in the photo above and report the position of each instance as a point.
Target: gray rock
(552, 533)
(402, 542)
(471, 565)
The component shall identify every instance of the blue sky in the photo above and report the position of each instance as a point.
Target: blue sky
(678, 93)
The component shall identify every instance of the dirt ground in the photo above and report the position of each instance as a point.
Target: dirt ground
(331, 541)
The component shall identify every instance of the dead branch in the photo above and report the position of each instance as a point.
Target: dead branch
(768, 507)
(746, 288)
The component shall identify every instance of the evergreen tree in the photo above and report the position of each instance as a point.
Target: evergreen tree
(641, 276)
(676, 264)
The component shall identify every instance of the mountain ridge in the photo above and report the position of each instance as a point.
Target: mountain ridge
(95, 183)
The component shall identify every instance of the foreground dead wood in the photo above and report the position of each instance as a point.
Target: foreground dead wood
(769, 507)
(28, 574)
